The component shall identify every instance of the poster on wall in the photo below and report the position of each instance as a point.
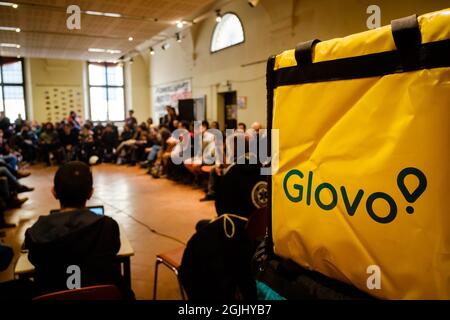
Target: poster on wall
(242, 102)
(56, 102)
(168, 95)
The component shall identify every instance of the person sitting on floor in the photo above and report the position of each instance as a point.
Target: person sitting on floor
(74, 236)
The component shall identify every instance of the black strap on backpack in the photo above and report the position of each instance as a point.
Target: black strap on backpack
(303, 52)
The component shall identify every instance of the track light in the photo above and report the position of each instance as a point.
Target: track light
(113, 51)
(218, 16)
(180, 24)
(131, 60)
(152, 52)
(9, 4)
(105, 14)
(253, 3)
(165, 46)
(10, 45)
(178, 36)
(97, 50)
(10, 29)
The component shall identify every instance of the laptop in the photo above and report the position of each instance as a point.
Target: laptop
(98, 210)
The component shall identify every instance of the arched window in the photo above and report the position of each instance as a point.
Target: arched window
(227, 33)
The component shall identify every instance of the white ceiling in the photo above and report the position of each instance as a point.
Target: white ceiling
(44, 33)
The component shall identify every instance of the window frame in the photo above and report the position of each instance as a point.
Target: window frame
(3, 85)
(106, 87)
(215, 28)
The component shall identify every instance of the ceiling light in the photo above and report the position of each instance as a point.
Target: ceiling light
(131, 60)
(9, 4)
(165, 46)
(180, 24)
(178, 36)
(10, 29)
(130, 38)
(113, 51)
(152, 52)
(94, 13)
(10, 45)
(96, 50)
(105, 14)
(218, 16)
(111, 14)
(19, 56)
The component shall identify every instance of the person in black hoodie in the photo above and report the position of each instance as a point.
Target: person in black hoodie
(68, 137)
(74, 236)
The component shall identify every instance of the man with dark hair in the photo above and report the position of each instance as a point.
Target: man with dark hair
(242, 127)
(74, 236)
(69, 141)
(5, 125)
(131, 121)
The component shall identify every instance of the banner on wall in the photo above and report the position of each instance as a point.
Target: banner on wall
(168, 95)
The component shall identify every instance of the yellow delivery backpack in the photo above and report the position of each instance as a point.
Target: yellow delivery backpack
(361, 189)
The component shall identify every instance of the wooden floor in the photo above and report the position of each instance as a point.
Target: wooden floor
(126, 193)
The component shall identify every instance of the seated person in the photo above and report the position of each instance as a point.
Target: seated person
(28, 143)
(86, 143)
(74, 236)
(8, 200)
(69, 142)
(127, 140)
(194, 165)
(13, 184)
(165, 146)
(49, 143)
(137, 151)
(109, 141)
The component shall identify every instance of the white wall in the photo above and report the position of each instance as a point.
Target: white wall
(73, 73)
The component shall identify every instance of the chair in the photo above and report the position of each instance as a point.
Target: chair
(172, 260)
(102, 292)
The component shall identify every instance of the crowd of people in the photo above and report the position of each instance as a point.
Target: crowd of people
(75, 146)
(144, 144)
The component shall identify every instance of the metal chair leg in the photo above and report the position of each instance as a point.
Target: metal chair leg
(179, 283)
(181, 290)
(155, 279)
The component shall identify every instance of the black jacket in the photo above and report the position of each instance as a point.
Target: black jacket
(69, 139)
(73, 238)
(215, 267)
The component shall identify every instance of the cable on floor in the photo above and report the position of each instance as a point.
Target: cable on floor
(152, 230)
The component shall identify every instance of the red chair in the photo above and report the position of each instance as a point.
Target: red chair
(171, 260)
(103, 292)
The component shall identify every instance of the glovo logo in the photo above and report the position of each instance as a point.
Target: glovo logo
(352, 205)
